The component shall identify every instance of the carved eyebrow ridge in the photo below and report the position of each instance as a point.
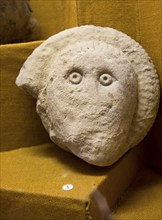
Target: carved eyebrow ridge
(73, 69)
(107, 71)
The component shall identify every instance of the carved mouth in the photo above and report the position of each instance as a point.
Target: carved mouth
(93, 112)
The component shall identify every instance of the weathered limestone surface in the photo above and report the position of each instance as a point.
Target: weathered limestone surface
(97, 91)
(17, 23)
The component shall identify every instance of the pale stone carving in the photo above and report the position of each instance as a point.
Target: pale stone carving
(97, 91)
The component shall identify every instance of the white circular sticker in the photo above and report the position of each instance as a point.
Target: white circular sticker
(67, 187)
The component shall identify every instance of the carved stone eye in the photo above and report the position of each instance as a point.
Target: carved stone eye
(75, 77)
(105, 79)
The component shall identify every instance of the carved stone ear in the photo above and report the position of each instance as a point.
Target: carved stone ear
(34, 71)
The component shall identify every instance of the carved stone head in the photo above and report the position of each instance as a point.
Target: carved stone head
(97, 91)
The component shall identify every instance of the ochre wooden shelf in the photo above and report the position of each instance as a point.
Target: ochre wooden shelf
(32, 179)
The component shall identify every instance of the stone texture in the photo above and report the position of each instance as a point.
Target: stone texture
(97, 91)
(17, 23)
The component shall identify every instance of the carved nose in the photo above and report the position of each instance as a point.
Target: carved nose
(91, 90)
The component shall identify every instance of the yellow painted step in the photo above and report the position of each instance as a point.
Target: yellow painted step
(33, 181)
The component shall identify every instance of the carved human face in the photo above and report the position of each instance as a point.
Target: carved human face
(97, 91)
(91, 97)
